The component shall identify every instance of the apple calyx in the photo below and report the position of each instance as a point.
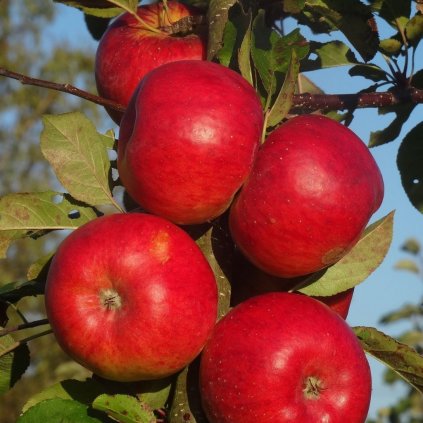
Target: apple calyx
(313, 387)
(110, 299)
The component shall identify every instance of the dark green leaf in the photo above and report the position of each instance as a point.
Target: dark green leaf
(96, 26)
(370, 71)
(358, 264)
(217, 17)
(59, 410)
(28, 214)
(395, 12)
(283, 101)
(78, 154)
(410, 165)
(399, 357)
(124, 408)
(293, 6)
(14, 291)
(12, 365)
(405, 312)
(351, 17)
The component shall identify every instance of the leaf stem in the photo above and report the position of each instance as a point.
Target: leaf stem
(24, 341)
(22, 326)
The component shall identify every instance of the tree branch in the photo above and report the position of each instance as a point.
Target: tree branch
(301, 102)
(66, 88)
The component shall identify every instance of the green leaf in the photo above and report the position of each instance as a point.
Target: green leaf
(14, 291)
(401, 358)
(217, 17)
(411, 246)
(78, 155)
(352, 18)
(124, 408)
(283, 101)
(394, 12)
(369, 71)
(405, 312)
(71, 389)
(59, 410)
(31, 214)
(410, 165)
(293, 6)
(244, 53)
(12, 365)
(331, 54)
(39, 269)
(358, 264)
(390, 46)
(408, 265)
(414, 30)
(99, 8)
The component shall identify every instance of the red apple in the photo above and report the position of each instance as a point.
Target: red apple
(188, 140)
(131, 297)
(310, 195)
(284, 358)
(129, 49)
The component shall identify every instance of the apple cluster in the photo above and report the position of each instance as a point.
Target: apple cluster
(132, 297)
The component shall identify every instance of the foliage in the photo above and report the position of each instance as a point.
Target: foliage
(248, 37)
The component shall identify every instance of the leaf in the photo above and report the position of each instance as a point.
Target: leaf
(393, 11)
(96, 26)
(369, 71)
(217, 17)
(99, 8)
(390, 46)
(14, 291)
(331, 54)
(414, 30)
(293, 6)
(244, 53)
(78, 155)
(352, 18)
(283, 101)
(405, 312)
(39, 268)
(401, 358)
(411, 246)
(31, 214)
(71, 389)
(408, 265)
(358, 264)
(124, 408)
(12, 365)
(410, 165)
(59, 410)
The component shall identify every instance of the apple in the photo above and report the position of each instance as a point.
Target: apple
(284, 357)
(131, 297)
(129, 49)
(248, 281)
(188, 140)
(310, 195)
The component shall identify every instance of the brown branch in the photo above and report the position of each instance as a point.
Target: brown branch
(66, 88)
(301, 102)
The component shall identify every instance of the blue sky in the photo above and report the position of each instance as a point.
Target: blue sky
(386, 289)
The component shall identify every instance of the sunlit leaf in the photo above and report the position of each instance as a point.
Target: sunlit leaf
(124, 408)
(414, 30)
(359, 263)
(411, 245)
(244, 53)
(99, 8)
(409, 265)
(217, 17)
(12, 365)
(39, 268)
(410, 165)
(60, 410)
(28, 214)
(78, 155)
(401, 358)
(293, 6)
(390, 46)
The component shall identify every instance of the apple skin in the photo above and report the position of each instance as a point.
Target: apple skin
(266, 355)
(188, 140)
(128, 50)
(131, 297)
(310, 195)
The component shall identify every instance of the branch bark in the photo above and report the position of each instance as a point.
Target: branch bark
(301, 102)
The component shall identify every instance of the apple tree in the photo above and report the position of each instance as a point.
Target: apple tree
(252, 40)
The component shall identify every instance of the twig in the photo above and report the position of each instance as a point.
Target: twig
(23, 341)
(301, 102)
(22, 326)
(66, 88)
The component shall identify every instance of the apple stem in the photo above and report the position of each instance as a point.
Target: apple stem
(17, 344)
(22, 326)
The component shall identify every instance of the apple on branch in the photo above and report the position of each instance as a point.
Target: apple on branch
(131, 297)
(130, 48)
(188, 140)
